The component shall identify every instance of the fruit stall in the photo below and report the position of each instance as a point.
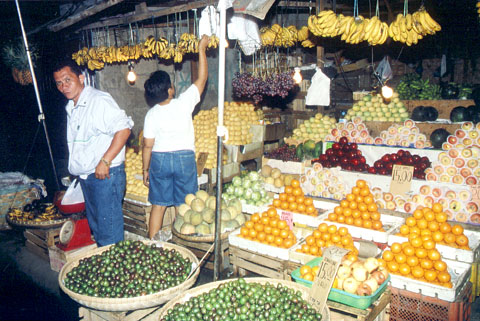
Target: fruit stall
(364, 211)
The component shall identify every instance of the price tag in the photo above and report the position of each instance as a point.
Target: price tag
(201, 161)
(288, 217)
(475, 189)
(401, 179)
(325, 276)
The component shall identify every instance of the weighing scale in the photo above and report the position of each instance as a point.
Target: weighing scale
(75, 234)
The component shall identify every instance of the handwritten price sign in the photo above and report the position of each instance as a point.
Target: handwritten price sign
(288, 217)
(475, 189)
(401, 179)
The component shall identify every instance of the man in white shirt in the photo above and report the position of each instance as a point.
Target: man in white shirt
(169, 166)
(97, 130)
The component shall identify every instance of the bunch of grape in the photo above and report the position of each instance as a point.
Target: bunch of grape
(247, 86)
(284, 153)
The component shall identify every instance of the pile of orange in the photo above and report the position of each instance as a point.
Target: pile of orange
(294, 200)
(324, 236)
(433, 222)
(268, 228)
(418, 259)
(308, 272)
(358, 208)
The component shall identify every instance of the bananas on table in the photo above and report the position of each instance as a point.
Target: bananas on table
(96, 57)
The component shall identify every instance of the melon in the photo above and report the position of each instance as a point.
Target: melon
(178, 223)
(197, 205)
(187, 228)
(266, 170)
(188, 216)
(189, 198)
(182, 209)
(211, 202)
(230, 225)
(226, 216)
(196, 219)
(233, 212)
(201, 194)
(202, 228)
(240, 218)
(208, 215)
(236, 203)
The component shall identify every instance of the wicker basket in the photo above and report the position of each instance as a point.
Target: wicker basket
(199, 238)
(185, 296)
(127, 304)
(17, 199)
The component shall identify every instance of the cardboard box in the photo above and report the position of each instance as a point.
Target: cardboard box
(275, 131)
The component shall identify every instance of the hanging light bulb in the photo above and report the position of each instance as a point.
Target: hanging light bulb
(131, 76)
(297, 76)
(387, 92)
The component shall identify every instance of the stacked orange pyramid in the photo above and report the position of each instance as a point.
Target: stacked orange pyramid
(294, 200)
(268, 228)
(324, 236)
(358, 208)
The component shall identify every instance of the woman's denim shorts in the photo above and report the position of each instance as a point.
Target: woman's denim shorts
(172, 175)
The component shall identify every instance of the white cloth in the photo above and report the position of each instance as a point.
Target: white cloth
(209, 23)
(318, 94)
(171, 125)
(91, 125)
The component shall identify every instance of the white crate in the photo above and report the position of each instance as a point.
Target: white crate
(448, 252)
(257, 247)
(252, 209)
(460, 273)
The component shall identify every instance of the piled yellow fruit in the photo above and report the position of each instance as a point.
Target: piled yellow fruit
(315, 128)
(133, 170)
(238, 117)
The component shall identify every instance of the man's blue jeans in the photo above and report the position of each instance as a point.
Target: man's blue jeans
(103, 204)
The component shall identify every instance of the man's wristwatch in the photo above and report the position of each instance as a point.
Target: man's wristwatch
(106, 162)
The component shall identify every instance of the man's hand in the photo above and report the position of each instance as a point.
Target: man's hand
(102, 171)
(202, 45)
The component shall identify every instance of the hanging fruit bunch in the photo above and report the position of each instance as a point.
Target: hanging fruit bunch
(96, 57)
(249, 87)
(410, 28)
(352, 30)
(478, 8)
(15, 57)
(285, 37)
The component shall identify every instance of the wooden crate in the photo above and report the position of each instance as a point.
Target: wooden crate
(39, 240)
(443, 106)
(200, 248)
(151, 314)
(244, 261)
(375, 127)
(377, 311)
(58, 257)
(137, 223)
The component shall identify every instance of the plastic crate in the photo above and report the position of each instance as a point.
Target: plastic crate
(410, 306)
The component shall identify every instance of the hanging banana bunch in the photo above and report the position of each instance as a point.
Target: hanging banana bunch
(214, 41)
(478, 8)
(410, 28)
(283, 37)
(376, 31)
(325, 24)
(188, 43)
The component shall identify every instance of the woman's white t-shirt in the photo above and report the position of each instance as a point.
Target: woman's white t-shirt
(171, 125)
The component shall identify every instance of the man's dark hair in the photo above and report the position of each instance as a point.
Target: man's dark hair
(68, 63)
(156, 87)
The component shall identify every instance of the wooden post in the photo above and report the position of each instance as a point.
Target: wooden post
(320, 49)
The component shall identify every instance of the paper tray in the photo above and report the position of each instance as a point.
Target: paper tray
(257, 247)
(252, 209)
(389, 222)
(459, 271)
(448, 252)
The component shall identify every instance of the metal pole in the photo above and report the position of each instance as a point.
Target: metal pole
(41, 116)
(221, 99)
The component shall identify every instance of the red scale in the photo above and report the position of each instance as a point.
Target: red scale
(75, 234)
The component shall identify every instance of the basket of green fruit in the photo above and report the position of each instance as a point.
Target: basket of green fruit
(243, 299)
(129, 275)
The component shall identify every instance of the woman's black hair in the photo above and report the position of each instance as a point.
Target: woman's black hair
(156, 87)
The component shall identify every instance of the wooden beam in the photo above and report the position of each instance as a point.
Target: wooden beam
(84, 14)
(131, 17)
(320, 49)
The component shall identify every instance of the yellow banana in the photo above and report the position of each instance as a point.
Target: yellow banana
(435, 26)
(408, 19)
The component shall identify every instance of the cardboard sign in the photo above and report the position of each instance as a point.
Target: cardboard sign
(475, 189)
(201, 161)
(288, 217)
(326, 275)
(401, 179)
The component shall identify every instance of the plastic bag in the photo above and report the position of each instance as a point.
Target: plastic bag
(74, 194)
(209, 22)
(318, 93)
(245, 30)
(384, 70)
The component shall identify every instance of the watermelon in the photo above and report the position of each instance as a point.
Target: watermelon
(438, 137)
